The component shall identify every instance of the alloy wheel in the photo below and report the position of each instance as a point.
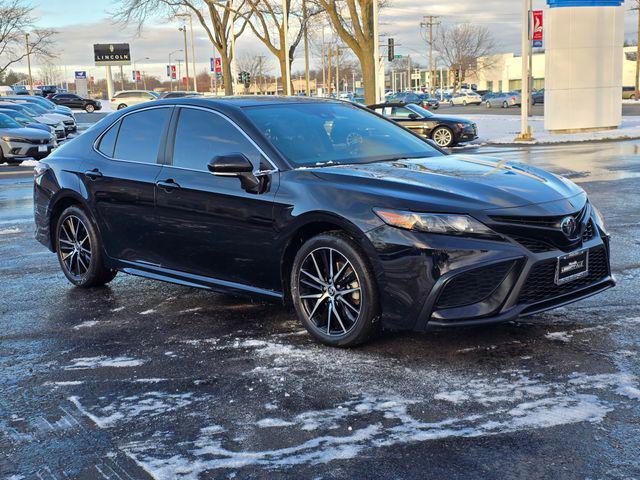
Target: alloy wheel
(442, 137)
(330, 292)
(74, 244)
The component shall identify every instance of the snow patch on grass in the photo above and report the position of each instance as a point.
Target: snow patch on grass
(10, 231)
(559, 336)
(103, 361)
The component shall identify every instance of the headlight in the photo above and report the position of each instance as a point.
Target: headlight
(14, 139)
(434, 222)
(599, 219)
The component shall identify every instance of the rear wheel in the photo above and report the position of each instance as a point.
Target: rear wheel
(505, 104)
(488, 104)
(89, 108)
(79, 250)
(443, 136)
(121, 106)
(464, 103)
(334, 292)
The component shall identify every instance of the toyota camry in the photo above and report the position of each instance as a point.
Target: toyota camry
(357, 222)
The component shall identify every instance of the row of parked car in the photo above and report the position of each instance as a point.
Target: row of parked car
(31, 127)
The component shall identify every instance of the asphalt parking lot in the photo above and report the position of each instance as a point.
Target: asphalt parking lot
(142, 380)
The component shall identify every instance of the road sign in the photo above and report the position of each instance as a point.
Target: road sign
(112, 54)
(397, 56)
(538, 28)
(212, 64)
(81, 75)
(415, 76)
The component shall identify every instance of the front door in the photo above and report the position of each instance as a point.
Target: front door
(211, 226)
(121, 184)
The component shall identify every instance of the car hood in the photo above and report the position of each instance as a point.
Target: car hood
(25, 132)
(456, 183)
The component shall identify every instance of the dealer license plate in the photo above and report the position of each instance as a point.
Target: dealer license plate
(572, 266)
(43, 148)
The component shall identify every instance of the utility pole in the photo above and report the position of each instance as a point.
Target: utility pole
(379, 89)
(285, 47)
(183, 29)
(409, 81)
(637, 9)
(337, 71)
(306, 46)
(121, 78)
(525, 130)
(26, 35)
(428, 22)
(330, 80)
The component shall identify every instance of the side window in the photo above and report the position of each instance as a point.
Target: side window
(108, 141)
(379, 110)
(201, 135)
(400, 112)
(140, 135)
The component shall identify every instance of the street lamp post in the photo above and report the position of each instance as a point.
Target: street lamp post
(26, 36)
(376, 53)
(183, 29)
(525, 130)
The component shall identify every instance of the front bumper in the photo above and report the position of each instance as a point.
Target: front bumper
(70, 126)
(25, 150)
(430, 281)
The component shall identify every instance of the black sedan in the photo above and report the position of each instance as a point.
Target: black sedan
(72, 100)
(356, 221)
(444, 131)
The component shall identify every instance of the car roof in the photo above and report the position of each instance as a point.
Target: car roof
(247, 101)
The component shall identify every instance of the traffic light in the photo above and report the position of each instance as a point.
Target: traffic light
(240, 77)
(392, 51)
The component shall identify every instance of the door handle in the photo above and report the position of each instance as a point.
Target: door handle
(93, 174)
(168, 185)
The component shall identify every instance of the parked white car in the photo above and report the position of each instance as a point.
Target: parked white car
(465, 98)
(127, 98)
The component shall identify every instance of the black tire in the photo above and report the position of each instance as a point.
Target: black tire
(121, 106)
(443, 137)
(451, 103)
(464, 103)
(361, 300)
(76, 232)
(488, 104)
(505, 104)
(89, 108)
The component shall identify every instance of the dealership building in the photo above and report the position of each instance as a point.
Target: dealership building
(503, 73)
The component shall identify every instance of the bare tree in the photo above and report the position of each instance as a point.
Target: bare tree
(460, 47)
(16, 19)
(50, 73)
(353, 22)
(217, 21)
(266, 19)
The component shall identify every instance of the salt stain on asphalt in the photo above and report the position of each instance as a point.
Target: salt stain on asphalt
(103, 361)
(87, 324)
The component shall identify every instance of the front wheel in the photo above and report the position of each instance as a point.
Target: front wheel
(443, 137)
(488, 104)
(505, 104)
(334, 291)
(464, 103)
(79, 250)
(89, 108)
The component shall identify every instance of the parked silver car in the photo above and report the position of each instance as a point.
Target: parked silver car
(51, 120)
(18, 142)
(503, 100)
(127, 98)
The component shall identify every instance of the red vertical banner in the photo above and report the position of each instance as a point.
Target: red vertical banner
(538, 28)
(218, 65)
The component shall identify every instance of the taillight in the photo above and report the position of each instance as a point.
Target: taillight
(113, 99)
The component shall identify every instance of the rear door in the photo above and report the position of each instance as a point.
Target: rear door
(211, 225)
(121, 184)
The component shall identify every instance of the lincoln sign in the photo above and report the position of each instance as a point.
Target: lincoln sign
(111, 54)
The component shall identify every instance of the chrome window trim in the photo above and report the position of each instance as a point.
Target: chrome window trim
(99, 139)
(194, 107)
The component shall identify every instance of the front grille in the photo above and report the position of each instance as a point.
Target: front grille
(589, 232)
(533, 245)
(472, 286)
(540, 284)
(546, 221)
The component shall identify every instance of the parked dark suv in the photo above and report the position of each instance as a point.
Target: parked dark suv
(72, 100)
(355, 220)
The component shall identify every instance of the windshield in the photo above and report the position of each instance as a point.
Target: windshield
(37, 108)
(419, 110)
(8, 122)
(309, 134)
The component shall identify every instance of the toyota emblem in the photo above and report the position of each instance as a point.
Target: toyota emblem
(568, 226)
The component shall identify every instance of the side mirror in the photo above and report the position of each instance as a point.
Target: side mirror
(233, 164)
